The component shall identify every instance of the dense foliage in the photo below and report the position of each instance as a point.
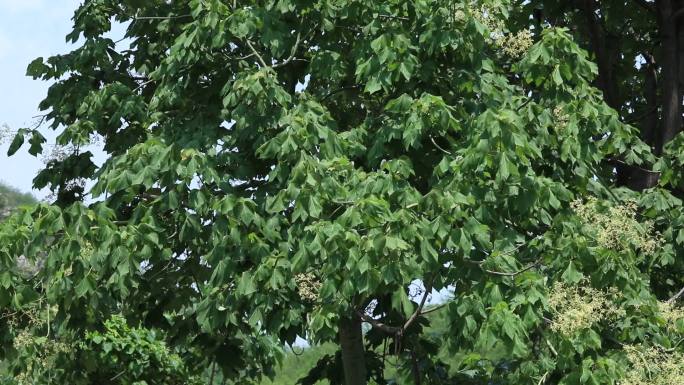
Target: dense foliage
(302, 167)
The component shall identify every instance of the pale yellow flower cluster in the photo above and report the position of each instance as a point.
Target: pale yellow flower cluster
(308, 286)
(617, 226)
(515, 45)
(670, 313)
(560, 118)
(579, 307)
(486, 16)
(43, 350)
(653, 366)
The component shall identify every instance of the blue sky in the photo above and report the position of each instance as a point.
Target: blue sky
(28, 29)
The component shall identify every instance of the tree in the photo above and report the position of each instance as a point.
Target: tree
(11, 198)
(285, 168)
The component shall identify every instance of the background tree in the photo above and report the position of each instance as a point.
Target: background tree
(11, 198)
(283, 168)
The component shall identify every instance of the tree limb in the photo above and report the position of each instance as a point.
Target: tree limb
(254, 51)
(513, 274)
(293, 52)
(428, 289)
(160, 17)
(399, 331)
(675, 297)
(377, 324)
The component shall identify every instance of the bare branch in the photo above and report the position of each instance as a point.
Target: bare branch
(433, 309)
(438, 146)
(428, 289)
(675, 297)
(555, 353)
(393, 17)
(293, 52)
(378, 325)
(398, 331)
(161, 17)
(261, 59)
(513, 274)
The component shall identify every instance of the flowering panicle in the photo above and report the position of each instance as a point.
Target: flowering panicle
(653, 366)
(308, 286)
(579, 307)
(617, 227)
(515, 45)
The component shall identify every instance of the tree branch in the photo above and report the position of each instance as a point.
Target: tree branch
(293, 52)
(675, 297)
(161, 17)
(254, 51)
(433, 309)
(513, 274)
(398, 331)
(428, 289)
(377, 324)
(438, 146)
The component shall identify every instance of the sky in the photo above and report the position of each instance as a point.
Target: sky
(28, 29)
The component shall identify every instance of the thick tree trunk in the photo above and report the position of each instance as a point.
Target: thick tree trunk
(605, 53)
(649, 125)
(672, 113)
(638, 178)
(353, 351)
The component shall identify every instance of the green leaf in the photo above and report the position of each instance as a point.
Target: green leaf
(17, 142)
(571, 274)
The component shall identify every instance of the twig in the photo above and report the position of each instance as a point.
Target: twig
(543, 378)
(642, 115)
(428, 289)
(261, 59)
(143, 84)
(633, 166)
(292, 349)
(378, 325)
(213, 372)
(433, 309)
(555, 353)
(118, 375)
(513, 274)
(398, 331)
(675, 297)
(394, 17)
(331, 93)
(293, 52)
(160, 17)
(438, 146)
(673, 348)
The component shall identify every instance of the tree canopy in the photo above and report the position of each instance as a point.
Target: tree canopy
(11, 198)
(287, 168)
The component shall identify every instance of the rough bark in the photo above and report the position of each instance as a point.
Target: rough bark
(353, 351)
(638, 178)
(604, 51)
(671, 102)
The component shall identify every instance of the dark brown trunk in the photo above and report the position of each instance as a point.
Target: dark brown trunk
(415, 368)
(353, 351)
(671, 102)
(604, 51)
(649, 125)
(640, 178)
